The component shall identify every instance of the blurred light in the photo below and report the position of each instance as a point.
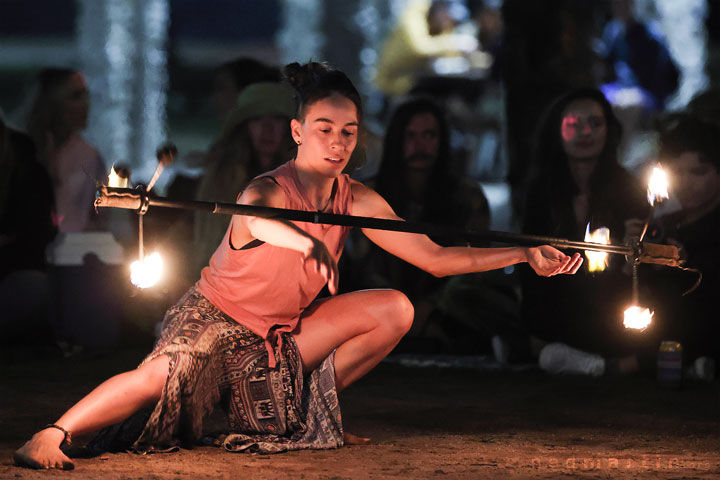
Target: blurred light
(657, 186)
(146, 273)
(597, 261)
(451, 65)
(368, 56)
(637, 318)
(115, 180)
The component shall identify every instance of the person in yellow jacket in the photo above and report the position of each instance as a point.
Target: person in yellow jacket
(425, 31)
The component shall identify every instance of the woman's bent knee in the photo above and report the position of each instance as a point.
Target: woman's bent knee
(402, 312)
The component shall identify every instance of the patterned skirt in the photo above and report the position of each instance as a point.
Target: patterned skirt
(215, 361)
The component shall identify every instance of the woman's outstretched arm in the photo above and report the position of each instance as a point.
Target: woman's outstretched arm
(422, 252)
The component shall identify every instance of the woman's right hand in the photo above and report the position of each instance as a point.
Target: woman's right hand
(547, 261)
(318, 256)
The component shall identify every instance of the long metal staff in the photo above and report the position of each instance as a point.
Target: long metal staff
(138, 199)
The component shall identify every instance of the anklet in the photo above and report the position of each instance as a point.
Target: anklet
(68, 436)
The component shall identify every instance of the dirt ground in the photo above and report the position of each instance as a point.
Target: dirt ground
(425, 423)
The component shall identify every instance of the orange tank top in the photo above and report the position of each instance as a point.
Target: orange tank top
(266, 288)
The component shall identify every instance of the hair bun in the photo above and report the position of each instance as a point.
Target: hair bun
(294, 74)
(300, 76)
(314, 81)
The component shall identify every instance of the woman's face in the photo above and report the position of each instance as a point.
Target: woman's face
(583, 129)
(421, 141)
(74, 102)
(696, 183)
(267, 133)
(328, 134)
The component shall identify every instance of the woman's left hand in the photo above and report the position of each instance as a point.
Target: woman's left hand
(548, 261)
(318, 257)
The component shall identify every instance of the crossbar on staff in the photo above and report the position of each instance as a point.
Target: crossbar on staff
(135, 199)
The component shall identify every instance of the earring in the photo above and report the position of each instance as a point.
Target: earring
(298, 142)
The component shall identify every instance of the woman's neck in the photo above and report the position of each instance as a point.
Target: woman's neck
(318, 188)
(581, 171)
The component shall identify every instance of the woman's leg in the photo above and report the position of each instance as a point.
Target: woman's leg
(111, 402)
(363, 326)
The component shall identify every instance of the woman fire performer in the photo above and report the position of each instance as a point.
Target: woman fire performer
(249, 330)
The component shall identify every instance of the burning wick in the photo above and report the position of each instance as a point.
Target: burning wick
(118, 178)
(146, 272)
(166, 156)
(637, 318)
(657, 192)
(657, 186)
(597, 261)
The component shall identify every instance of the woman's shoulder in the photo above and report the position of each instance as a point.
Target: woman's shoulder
(282, 178)
(265, 188)
(366, 201)
(360, 190)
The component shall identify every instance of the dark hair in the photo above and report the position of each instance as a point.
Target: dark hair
(315, 81)
(392, 169)
(45, 114)
(550, 162)
(246, 71)
(683, 132)
(554, 186)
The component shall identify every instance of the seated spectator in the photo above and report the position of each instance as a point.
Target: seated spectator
(26, 228)
(639, 62)
(57, 118)
(85, 257)
(579, 185)
(414, 178)
(229, 79)
(690, 150)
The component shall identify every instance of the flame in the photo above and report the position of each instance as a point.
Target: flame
(597, 261)
(115, 180)
(657, 186)
(146, 273)
(637, 318)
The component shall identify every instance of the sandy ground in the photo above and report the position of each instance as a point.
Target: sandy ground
(425, 423)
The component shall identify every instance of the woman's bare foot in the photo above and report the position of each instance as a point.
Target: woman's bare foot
(43, 451)
(351, 439)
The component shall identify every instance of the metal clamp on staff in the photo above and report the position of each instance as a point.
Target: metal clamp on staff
(144, 200)
(141, 211)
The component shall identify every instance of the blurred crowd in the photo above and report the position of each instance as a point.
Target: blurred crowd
(474, 93)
